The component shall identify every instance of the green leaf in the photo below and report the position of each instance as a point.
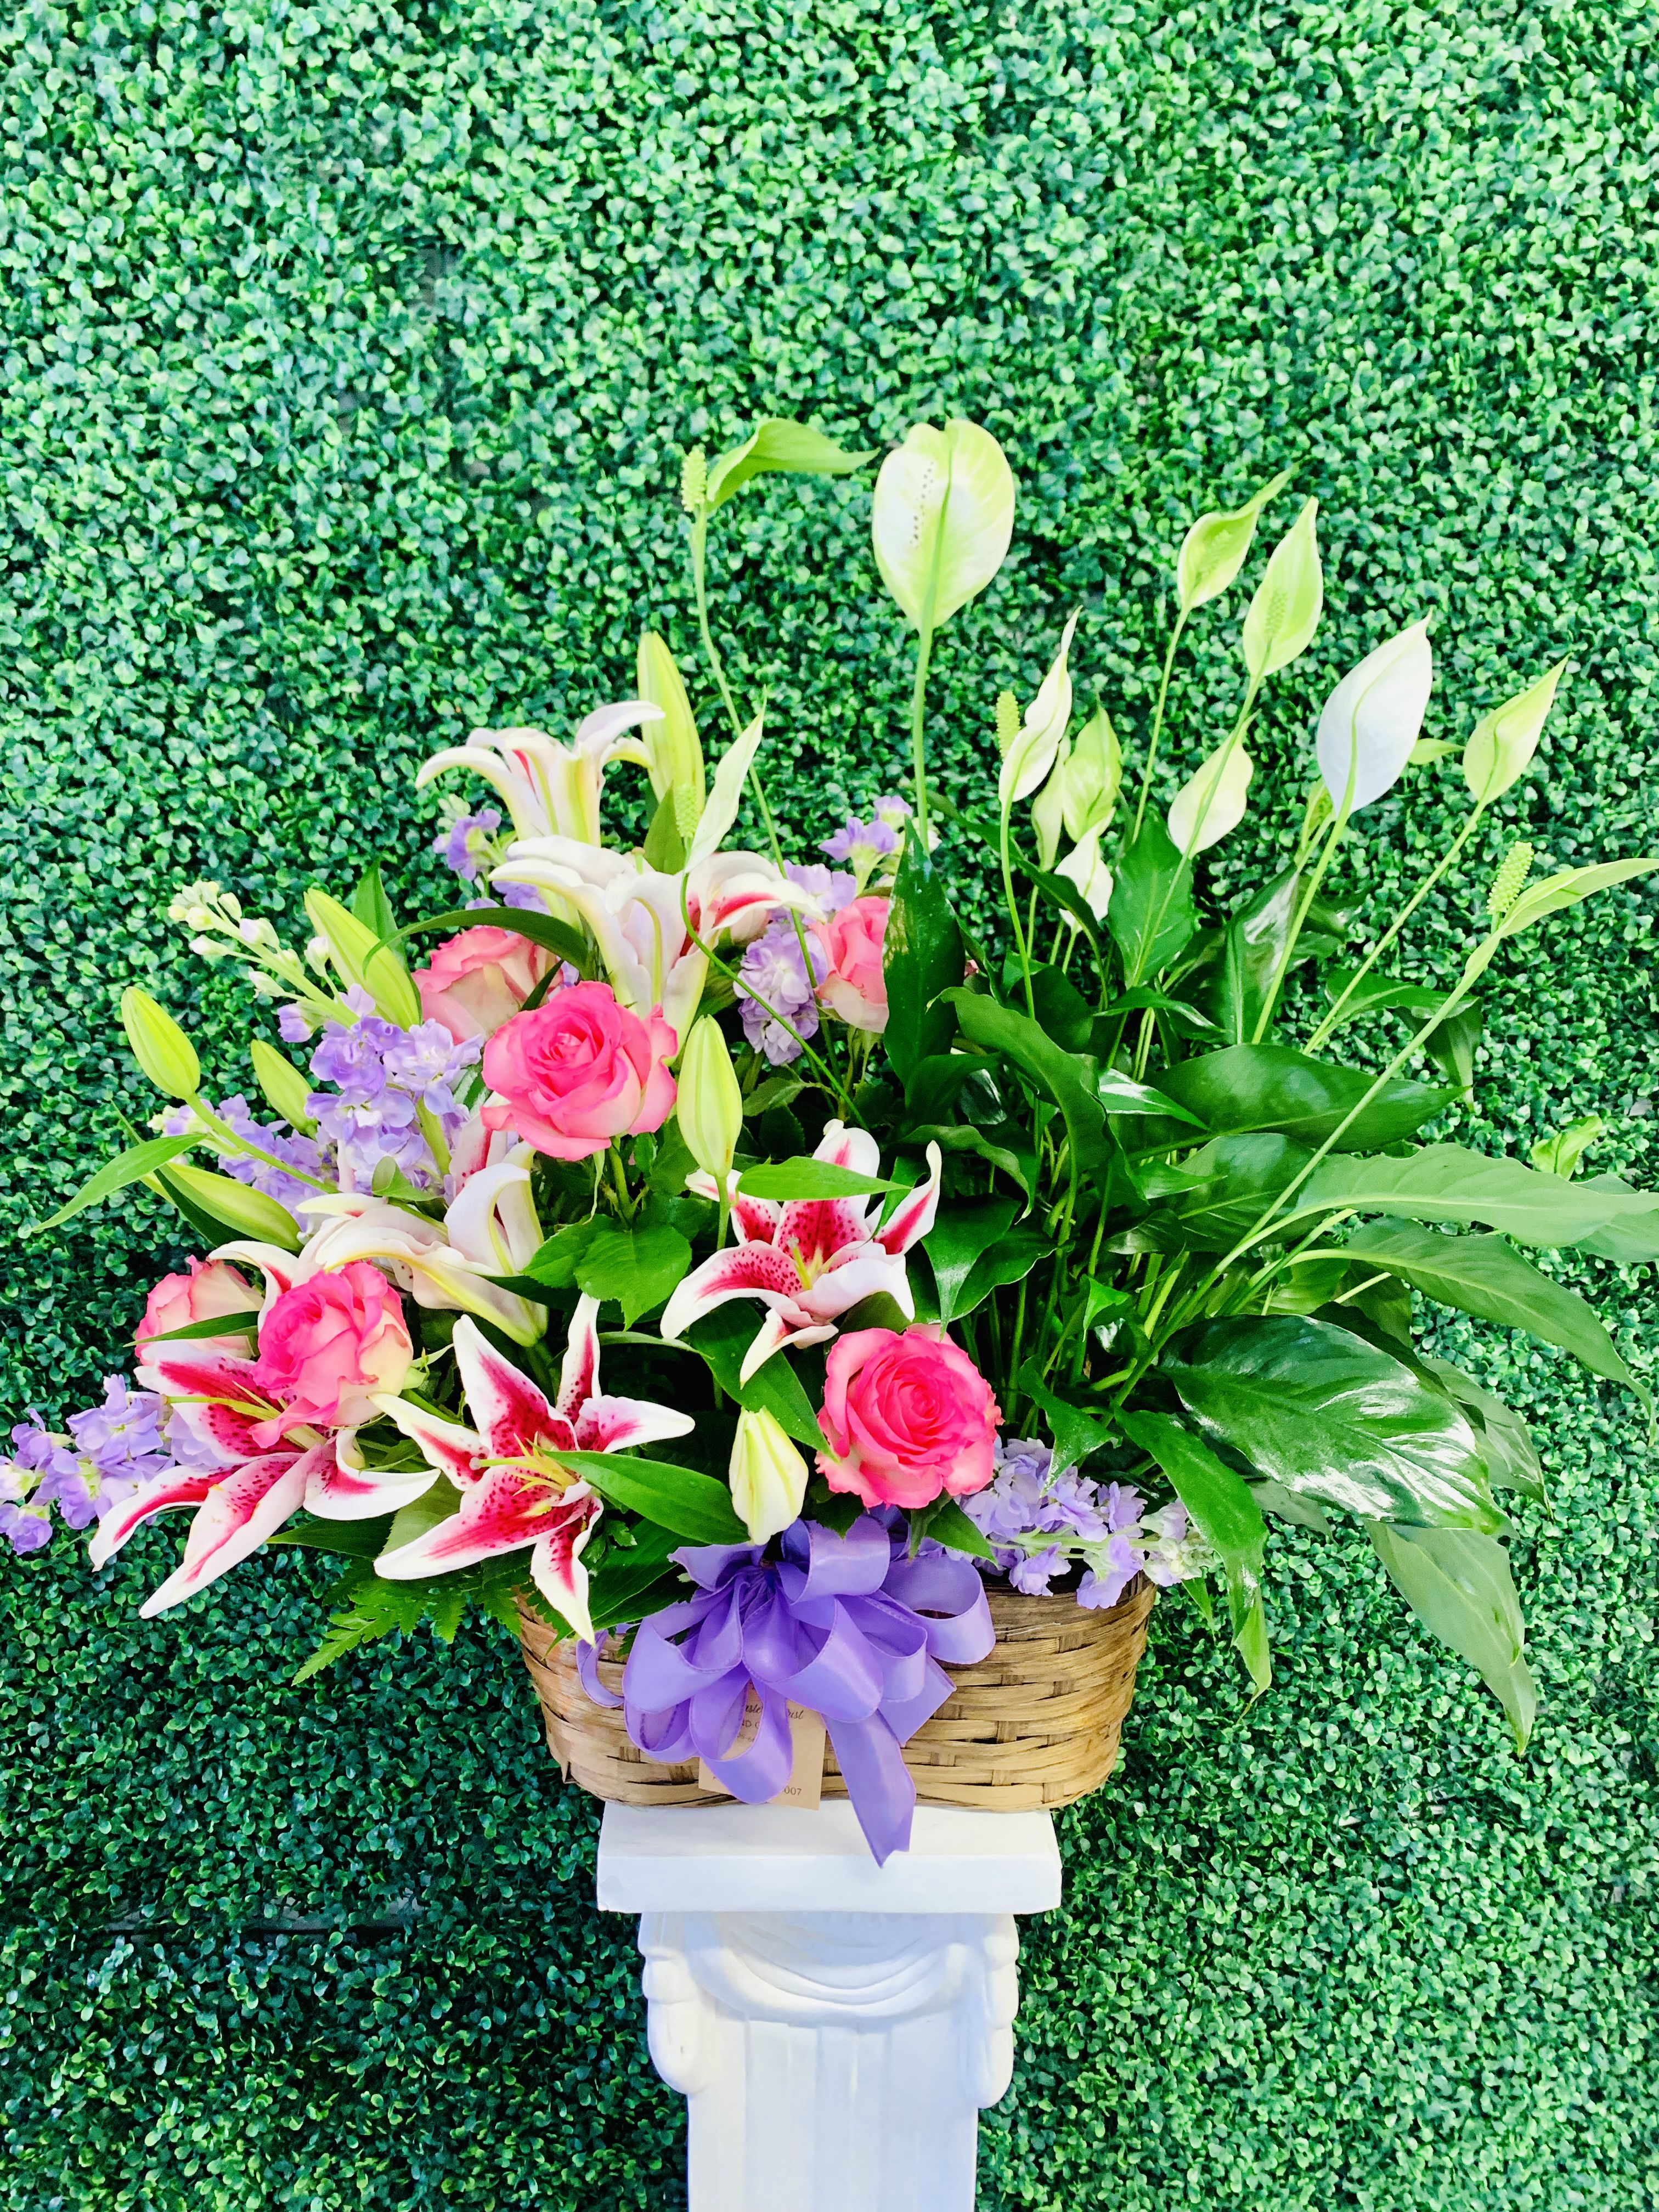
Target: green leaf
(921, 956)
(346, 1539)
(1224, 1188)
(637, 1267)
(1253, 944)
(806, 1178)
(230, 1324)
(1557, 892)
(1460, 1587)
(694, 1506)
(946, 1523)
(376, 1609)
(1377, 993)
(1118, 1094)
(1512, 1460)
(553, 936)
(1229, 1518)
(1151, 914)
(1061, 1008)
(1484, 1276)
(972, 1251)
(624, 1576)
(1068, 1078)
(1331, 1417)
(778, 447)
(1443, 1183)
(958, 1137)
(664, 849)
(199, 1195)
(722, 1338)
(1269, 1086)
(1075, 1432)
(130, 1166)
(371, 905)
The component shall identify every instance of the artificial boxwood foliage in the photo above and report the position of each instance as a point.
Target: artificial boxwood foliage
(349, 353)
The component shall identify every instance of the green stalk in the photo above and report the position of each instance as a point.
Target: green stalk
(1157, 722)
(1338, 826)
(918, 709)
(1390, 934)
(1013, 912)
(700, 586)
(1221, 760)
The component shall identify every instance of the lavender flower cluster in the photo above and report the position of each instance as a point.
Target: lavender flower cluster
(867, 846)
(1040, 1522)
(108, 1452)
(470, 846)
(783, 967)
(383, 1077)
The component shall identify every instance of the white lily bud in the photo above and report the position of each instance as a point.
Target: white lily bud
(767, 1475)
(1501, 743)
(1285, 612)
(1211, 802)
(710, 1103)
(161, 1048)
(1212, 551)
(1032, 753)
(1371, 721)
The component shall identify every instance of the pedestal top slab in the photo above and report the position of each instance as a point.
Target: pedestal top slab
(775, 1858)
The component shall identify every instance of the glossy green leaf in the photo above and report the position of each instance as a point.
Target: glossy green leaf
(694, 1506)
(1331, 1417)
(371, 905)
(956, 1137)
(807, 1178)
(1443, 1183)
(1220, 1194)
(230, 1324)
(1268, 1086)
(129, 1167)
(637, 1267)
(1253, 944)
(921, 956)
(972, 1251)
(1512, 1460)
(946, 1523)
(1074, 1430)
(1229, 1518)
(1151, 914)
(1459, 1585)
(722, 1339)
(543, 929)
(1069, 1078)
(1483, 1275)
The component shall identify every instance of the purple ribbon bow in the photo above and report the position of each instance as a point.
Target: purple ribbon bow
(849, 1626)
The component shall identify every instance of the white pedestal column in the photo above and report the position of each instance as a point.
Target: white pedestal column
(835, 2024)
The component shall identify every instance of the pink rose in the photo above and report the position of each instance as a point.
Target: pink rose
(855, 987)
(905, 1416)
(479, 979)
(327, 1345)
(570, 1075)
(211, 1288)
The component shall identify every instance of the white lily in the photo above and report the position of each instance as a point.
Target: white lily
(552, 789)
(1084, 867)
(1370, 720)
(1033, 749)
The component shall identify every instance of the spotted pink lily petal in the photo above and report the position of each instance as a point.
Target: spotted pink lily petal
(512, 1414)
(505, 1510)
(914, 1215)
(342, 1488)
(175, 1486)
(773, 1335)
(556, 1570)
(218, 1397)
(451, 1448)
(756, 1220)
(239, 1512)
(609, 1425)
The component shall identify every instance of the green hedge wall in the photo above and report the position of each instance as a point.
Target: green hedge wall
(349, 352)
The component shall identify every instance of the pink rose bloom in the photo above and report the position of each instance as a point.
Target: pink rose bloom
(479, 979)
(855, 987)
(906, 1417)
(572, 1074)
(327, 1345)
(211, 1288)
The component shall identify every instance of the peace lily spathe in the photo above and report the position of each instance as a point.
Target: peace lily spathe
(1285, 612)
(1212, 551)
(1370, 720)
(1211, 801)
(1501, 743)
(1032, 752)
(943, 515)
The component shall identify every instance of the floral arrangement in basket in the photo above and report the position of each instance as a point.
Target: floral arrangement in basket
(744, 1261)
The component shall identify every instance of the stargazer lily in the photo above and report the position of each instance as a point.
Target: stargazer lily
(811, 1260)
(549, 789)
(267, 1463)
(514, 1490)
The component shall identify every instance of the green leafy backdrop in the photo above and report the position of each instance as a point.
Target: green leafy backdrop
(348, 355)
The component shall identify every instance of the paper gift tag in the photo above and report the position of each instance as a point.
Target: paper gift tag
(804, 1787)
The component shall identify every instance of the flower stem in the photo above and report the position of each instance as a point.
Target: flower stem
(700, 587)
(1157, 723)
(1013, 914)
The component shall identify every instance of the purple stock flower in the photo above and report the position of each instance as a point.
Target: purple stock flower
(25, 1531)
(383, 1076)
(834, 889)
(1103, 1584)
(292, 1026)
(1102, 1526)
(304, 1156)
(122, 1437)
(863, 843)
(775, 971)
(464, 846)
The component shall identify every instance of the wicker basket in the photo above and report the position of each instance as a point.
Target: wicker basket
(1035, 1724)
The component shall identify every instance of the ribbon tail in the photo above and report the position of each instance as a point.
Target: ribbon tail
(587, 1667)
(879, 1783)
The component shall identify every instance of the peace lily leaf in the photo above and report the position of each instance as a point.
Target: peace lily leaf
(943, 515)
(1253, 944)
(921, 956)
(1068, 1078)
(1212, 551)
(956, 1137)
(1151, 914)
(623, 1578)
(1076, 1433)
(1483, 1275)
(1229, 1518)
(1512, 1460)
(1459, 1585)
(806, 1178)
(1501, 743)
(1331, 1417)
(1303, 1512)
(1119, 1094)
(778, 447)
(1269, 1086)
(1370, 720)
(973, 1251)
(1061, 1008)
(1222, 1191)
(1379, 993)
(695, 1506)
(1443, 1183)
(1211, 803)
(129, 1167)
(722, 1338)
(1560, 1152)
(543, 929)
(637, 1268)
(1285, 612)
